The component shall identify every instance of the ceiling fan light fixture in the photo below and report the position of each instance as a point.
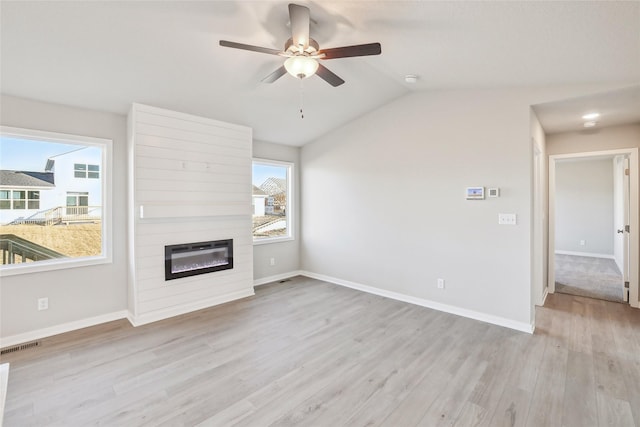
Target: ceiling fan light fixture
(301, 66)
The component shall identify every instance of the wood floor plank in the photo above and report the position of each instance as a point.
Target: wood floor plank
(579, 404)
(306, 352)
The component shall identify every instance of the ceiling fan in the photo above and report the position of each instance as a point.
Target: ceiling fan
(303, 52)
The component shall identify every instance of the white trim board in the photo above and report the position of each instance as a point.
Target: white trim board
(184, 309)
(275, 278)
(60, 329)
(587, 254)
(471, 314)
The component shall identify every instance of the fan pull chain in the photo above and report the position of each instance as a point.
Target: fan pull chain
(301, 100)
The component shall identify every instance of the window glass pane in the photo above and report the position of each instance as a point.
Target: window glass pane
(83, 234)
(94, 175)
(271, 200)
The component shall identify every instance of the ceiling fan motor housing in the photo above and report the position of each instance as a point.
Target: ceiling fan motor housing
(292, 49)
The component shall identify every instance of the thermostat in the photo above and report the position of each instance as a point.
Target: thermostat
(493, 192)
(475, 193)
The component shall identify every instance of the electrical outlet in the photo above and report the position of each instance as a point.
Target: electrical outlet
(272, 262)
(440, 283)
(506, 219)
(582, 243)
(43, 304)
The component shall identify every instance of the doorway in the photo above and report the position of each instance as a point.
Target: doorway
(592, 197)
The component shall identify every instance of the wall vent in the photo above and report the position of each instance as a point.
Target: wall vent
(20, 347)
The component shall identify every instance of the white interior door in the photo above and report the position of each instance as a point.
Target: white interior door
(625, 231)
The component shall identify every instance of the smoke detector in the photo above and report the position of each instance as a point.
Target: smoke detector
(411, 78)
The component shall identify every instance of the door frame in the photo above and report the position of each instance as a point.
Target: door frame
(634, 219)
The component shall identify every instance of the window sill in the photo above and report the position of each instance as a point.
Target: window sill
(44, 266)
(268, 240)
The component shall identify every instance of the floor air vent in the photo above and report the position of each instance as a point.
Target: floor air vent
(19, 347)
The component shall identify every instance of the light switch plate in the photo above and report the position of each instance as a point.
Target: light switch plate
(506, 219)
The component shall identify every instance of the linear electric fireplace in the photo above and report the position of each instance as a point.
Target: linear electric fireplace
(191, 259)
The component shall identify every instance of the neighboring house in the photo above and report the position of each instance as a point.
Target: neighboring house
(71, 181)
(258, 201)
(22, 193)
(276, 189)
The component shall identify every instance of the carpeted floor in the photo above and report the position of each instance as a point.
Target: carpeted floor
(590, 277)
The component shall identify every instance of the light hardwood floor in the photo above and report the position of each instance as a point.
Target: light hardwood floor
(310, 353)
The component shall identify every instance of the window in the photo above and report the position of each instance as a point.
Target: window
(5, 199)
(81, 170)
(272, 201)
(15, 199)
(60, 222)
(33, 200)
(93, 171)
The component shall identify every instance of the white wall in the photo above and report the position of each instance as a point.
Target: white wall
(383, 200)
(584, 206)
(77, 294)
(286, 253)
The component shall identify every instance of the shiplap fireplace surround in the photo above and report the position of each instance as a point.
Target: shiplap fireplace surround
(189, 181)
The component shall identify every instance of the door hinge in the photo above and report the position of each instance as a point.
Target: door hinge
(627, 228)
(626, 172)
(626, 285)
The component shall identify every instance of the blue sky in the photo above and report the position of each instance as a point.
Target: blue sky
(262, 172)
(29, 155)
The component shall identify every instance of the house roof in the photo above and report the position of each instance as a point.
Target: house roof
(10, 178)
(273, 186)
(258, 192)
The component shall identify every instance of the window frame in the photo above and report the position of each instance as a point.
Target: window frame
(290, 216)
(106, 256)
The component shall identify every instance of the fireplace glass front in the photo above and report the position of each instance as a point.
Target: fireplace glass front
(191, 259)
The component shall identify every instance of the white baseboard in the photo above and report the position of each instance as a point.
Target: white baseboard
(483, 317)
(544, 296)
(60, 329)
(275, 278)
(587, 254)
(154, 316)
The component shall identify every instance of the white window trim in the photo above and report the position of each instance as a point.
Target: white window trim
(107, 234)
(290, 196)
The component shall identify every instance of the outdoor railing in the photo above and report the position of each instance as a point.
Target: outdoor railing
(15, 250)
(63, 214)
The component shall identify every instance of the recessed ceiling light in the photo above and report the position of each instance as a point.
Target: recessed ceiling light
(591, 116)
(590, 124)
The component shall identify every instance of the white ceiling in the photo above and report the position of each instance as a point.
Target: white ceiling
(615, 108)
(106, 55)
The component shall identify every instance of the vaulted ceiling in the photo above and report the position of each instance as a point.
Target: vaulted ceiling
(106, 55)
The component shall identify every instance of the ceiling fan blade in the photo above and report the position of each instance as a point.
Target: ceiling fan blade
(275, 75)
(235, 45)
(349, 51)
(328, 76)
(299, 17)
